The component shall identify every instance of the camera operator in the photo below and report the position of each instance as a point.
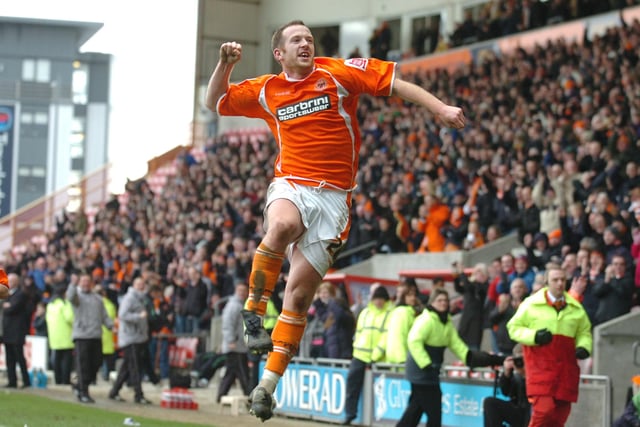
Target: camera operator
(517, 410)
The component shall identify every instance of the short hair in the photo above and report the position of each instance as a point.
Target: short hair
(435, 293)
(551, 266)
(276, 39)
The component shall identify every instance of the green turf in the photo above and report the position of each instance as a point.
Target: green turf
(22, 410)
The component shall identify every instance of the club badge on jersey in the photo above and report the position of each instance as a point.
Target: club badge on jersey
(360, 63)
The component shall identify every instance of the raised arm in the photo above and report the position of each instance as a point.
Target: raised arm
(451, 116)
(230, 53)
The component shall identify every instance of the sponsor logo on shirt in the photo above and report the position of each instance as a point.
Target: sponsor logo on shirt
(359, 63)
(304, 108)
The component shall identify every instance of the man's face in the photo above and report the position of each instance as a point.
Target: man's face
(556, 283)
(296, 51)
(140, 284)
(242, 291)
(507, 263)
(85, 283)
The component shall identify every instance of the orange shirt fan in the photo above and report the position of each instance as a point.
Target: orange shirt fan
(4, 284)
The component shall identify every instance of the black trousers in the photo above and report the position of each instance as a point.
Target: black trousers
(14, 355)
(355, 381)
(88, 361)
(62, 364)
(131, 369)
(424, 399)
(236, 368)
(496, 411)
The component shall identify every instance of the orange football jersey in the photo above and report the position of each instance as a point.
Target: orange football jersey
(313, 120)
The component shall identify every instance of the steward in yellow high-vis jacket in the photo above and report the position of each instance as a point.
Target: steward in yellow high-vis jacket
(431, 333)
(555, 331)
(394, 344)
(370, 328)
(59, 317)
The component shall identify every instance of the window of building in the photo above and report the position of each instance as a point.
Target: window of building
(28, 69)
(26, 118)
(36, 70)
(43, 70)
(80, 82)
(41, 118)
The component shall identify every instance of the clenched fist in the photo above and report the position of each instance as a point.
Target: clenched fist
(230, 52)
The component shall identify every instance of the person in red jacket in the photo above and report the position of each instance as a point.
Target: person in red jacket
(555, 331)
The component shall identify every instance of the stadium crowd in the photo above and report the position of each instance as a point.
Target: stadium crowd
(499, 18)
(550, 153)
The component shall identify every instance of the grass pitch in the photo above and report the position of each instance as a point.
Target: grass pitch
(24, 410)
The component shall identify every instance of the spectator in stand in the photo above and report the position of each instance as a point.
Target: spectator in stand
(89, 315)
(582, 286)
(389, 241)
(33, 297)
(39, 323)
(437, 216)
(536, 247)
(38, 274)
(16, 316)
(503, 312)
(337, 321)
(521, 270)
(529, 215)
(570, 265)
(547, 200)
(612, 239)
(161, 319)
(195, 300)
(59, 314)
(500, 280)
(615, 292)
(474, 290)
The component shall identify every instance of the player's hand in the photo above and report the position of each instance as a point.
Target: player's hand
(230, 52)
(452, 117)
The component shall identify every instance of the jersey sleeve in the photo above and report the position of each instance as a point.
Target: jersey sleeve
(365, 75)
(243, 99)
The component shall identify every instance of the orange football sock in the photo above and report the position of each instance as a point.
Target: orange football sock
(264, 275)
(286, 338)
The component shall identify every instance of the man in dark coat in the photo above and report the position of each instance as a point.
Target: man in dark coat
(474, 291)
(15, 323)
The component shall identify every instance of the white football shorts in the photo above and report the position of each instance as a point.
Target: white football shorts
(325, 215)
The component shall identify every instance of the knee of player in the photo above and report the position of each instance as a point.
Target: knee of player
(284, 229)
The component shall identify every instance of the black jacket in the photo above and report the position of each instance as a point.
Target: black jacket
(16, 318)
